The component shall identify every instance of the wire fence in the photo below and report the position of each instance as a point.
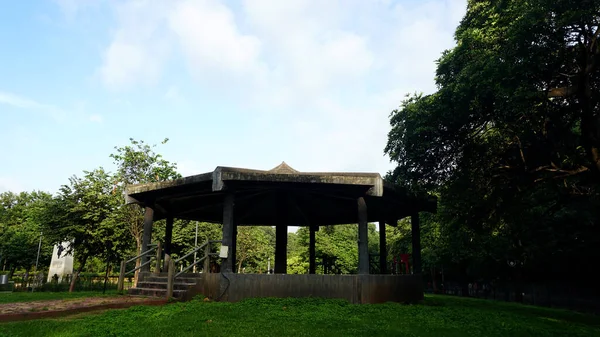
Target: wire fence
(94, 282)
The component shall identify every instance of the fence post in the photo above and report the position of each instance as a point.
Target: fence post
(120, 284)
(171, 271)
(158, 260)
(207, 258)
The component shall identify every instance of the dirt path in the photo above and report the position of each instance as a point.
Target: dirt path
(60, 308)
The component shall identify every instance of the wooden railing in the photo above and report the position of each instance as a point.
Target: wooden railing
(205, 258)
(123, 271)
(171, 271)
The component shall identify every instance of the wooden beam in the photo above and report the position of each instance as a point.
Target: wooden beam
(218, 204)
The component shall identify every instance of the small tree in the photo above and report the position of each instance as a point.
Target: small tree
(84, 214)
(138, 163)
(253, 248)
(20, 229)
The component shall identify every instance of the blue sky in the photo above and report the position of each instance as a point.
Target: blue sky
(244, 83)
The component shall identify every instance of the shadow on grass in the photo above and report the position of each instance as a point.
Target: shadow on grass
(552, 314)
(15, 297)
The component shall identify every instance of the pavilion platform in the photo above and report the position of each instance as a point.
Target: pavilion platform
(356, 289)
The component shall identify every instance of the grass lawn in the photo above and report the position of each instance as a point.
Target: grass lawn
(438, 316)
(13, 297)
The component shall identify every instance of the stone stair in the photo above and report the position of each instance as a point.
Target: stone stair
(155, 285)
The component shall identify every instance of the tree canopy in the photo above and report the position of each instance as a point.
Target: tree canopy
(21, 228)
(510, 140)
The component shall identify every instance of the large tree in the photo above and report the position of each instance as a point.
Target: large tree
(511, 138)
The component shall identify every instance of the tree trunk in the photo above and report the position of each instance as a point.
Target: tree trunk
(590, 123)
(135, 217)
(464, 278)
(433, 280)
(518, 286)
(25, 279)
(240, 266)
(76, 275)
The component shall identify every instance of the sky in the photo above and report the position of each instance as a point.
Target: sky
(242, 83)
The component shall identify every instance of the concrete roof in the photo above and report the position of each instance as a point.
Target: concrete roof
(266, 197)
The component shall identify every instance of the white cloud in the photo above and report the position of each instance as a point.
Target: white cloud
(127, 64)
(189, 168)
(327, 72)
(210, 38)
(26, 103)
(139, 47)
(95, 118)
(8, 184)
(77, 113)
(71, 8)
(174, 95)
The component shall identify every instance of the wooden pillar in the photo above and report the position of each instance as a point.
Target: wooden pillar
(170, 278)
(282, 200)
(233, 248)
(312, 266)
(206, 268)
(416, 243)
(147, 235)
(158, 257)
(363, 239)
(168, 241)
(281, 248)
(382, 249)
(228, 229)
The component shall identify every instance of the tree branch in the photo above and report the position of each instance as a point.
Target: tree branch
(594, 39)
(567, 173)
(521, 151)
(563, 91)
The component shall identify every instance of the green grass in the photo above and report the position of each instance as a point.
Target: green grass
(40, 296)
(438, 316)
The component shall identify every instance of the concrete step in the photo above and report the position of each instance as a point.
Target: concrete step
(155, 292)
(163, 285)
(163, 279)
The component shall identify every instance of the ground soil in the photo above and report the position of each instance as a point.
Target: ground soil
(59, 308)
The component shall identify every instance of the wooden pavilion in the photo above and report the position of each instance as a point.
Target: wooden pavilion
(284, 197)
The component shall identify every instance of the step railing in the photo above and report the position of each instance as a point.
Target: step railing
(207, 253)
(171, 271)
(153, 248)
